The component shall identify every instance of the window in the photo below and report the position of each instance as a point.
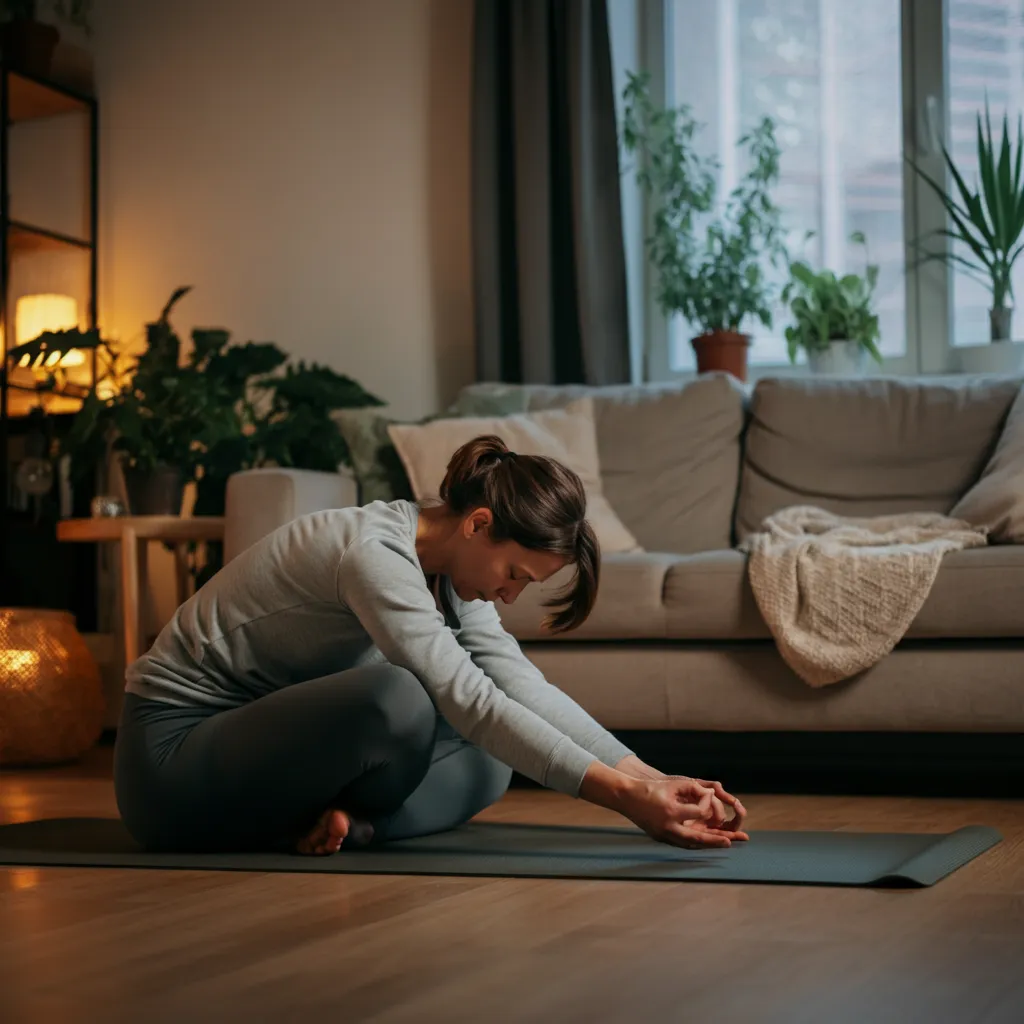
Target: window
(846, 84)
(827, 72)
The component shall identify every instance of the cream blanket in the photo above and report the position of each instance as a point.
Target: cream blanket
(838, 593)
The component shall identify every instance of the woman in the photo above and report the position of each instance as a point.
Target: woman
(347, 680)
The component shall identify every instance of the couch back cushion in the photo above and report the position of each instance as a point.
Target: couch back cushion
(870, 446)
(669, 454)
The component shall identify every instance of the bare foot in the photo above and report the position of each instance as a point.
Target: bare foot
(331, 830)
(327, 835)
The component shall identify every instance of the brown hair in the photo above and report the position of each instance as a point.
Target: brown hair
(537, 502)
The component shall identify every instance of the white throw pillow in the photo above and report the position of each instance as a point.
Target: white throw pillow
(565, 434)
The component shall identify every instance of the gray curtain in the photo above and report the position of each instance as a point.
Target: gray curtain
(549, 267)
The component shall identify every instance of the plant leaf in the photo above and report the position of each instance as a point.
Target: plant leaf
(176, 296)
(40, 349)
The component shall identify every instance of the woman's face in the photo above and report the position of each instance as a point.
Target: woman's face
(484, 570)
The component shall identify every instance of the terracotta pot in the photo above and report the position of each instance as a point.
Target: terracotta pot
(722, 350)
(28, 46)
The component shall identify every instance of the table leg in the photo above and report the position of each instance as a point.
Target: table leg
(145, 597)
(181, 573)
(130, 594)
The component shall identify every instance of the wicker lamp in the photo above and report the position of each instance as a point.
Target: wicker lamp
(51, 700)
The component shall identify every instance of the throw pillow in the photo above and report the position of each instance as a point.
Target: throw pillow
(566, 434)
(378, 469)
(375, 463)
(997, 499)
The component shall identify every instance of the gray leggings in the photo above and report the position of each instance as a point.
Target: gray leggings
(367, 740)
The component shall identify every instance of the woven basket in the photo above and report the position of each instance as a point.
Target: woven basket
(51, 699)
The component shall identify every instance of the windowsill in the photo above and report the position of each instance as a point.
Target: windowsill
(891, 368)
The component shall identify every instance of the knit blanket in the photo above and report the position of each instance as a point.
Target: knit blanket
(838, 593)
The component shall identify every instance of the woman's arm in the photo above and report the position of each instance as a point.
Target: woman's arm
(498, 653)
(632, 766)
(385, 589)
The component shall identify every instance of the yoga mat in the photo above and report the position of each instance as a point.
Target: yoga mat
(542, 851)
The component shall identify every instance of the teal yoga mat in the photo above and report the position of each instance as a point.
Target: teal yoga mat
(542, 851)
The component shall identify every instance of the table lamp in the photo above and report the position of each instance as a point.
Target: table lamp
(35, 314)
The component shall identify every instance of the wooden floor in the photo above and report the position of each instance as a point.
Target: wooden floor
(156, 946)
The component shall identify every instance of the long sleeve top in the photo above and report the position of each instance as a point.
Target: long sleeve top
(342, 588)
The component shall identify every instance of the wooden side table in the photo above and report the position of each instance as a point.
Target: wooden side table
(134, 533)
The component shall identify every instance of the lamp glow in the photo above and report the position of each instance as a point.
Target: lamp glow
(35, 314)
(19, 661)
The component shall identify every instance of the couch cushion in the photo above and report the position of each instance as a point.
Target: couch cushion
(669, 453)
(978, 594)
(629, 601)
(749, 688)
(996, 501)
(868, 447)
(708, 597)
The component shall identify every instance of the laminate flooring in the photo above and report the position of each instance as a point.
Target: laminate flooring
(165, 946)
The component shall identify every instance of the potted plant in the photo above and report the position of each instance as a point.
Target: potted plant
(222, 408)
(832, 316)
(713, 273)
(987, 221)
(27, 43)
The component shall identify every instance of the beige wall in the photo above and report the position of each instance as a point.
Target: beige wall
(308, 173)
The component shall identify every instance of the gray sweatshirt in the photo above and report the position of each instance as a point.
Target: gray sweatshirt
(343, 588)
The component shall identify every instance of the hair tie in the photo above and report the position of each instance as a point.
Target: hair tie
(506, 455)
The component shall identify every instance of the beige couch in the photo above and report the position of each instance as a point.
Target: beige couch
(675, 641)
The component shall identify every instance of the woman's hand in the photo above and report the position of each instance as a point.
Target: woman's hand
(682, 812)
(679, 811)
(637, 769)
(721, 798)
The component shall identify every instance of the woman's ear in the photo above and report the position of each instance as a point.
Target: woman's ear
(478, 522)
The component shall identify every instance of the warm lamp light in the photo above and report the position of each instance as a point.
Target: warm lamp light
(51, 698)
(19, 662)
(35, 314)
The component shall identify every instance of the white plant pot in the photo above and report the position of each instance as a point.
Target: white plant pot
(840, 359)
(996, 357)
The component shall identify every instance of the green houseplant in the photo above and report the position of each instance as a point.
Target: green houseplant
(716, 276)
(173, 419)
(27, 43)
(988, 220)
(832, 317)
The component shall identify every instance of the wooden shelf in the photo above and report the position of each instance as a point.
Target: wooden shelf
(26, 238)
(21, 403)
(29, 100)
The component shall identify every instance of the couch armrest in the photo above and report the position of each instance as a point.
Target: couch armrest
(258, 501)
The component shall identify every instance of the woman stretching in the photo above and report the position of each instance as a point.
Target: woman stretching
(346, 680)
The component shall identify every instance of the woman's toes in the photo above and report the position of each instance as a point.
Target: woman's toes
(327, 835)
(337, 824)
